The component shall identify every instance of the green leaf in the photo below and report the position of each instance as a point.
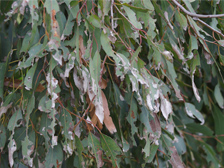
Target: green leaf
(218, 96)
(25, 42)
(219, 125)
(33, 5)
(106, 44)
(51, 5)
(221, 42)
(31, 38)
(68, 26)
(145, 118)
(180, 145)
(51, 126)
(74, 11)
(193, 45)
(45, 104)
(95, 20)
(135, 55)
(31, 104)
(44, 128)
(132, 17)
(61, 21)
(147, 4)
(27, 150)
(197, 28)
(54, 157)
(19, 136)
(110, 148)
(132, 115)
(13, 122)
(2, 76)
(195, 62)
(66, 123)
(144, 59)
(197, 128)
(79, 151)
(190, 8)
(28, 82)
(2, 137)
(139, 9)
(35, 51)
(182, 20)
(153, 150)
(105, 6)
(146, 149)
(94, 143)
(211, 155)
(94, 68)
(172, 76)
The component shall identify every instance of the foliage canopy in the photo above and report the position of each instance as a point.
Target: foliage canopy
(119, 83)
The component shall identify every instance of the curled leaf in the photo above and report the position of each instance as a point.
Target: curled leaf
(193, 112)
(107, 119)
(168, 20)
(12, 148)
(166, 107)
(219, 97)
(4, 109)
(195, 88)
(168, 55)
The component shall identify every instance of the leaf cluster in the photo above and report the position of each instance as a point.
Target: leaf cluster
(120, 83)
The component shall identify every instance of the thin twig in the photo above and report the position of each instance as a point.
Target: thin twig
(197, 16)
(84, 113)
(102, 69)
(194, 14)
(202, 22)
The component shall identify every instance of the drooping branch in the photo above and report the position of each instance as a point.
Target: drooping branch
(197, 16)
(214, 30)
(194, 14)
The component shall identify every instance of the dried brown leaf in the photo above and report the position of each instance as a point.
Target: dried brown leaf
(100, 159)
(92, 107)
(82, 48)
(155, 124)
(94, 118)
(107, 119)
(175, 160)
(156, 128)
(103, 84)
(55, 26)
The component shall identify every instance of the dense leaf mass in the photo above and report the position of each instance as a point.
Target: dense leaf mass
(111, 83)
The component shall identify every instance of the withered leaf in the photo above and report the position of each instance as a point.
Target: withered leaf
(107, 119)
(175, 158)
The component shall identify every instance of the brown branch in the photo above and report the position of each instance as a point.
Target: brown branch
(102, 70)
(84, 113)
(194, 14)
